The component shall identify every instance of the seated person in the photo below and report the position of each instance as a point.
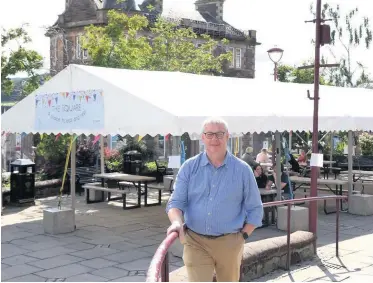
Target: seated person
(263, 157)
(284, 180)
(302, 157)
(261, 178)
(294, 164)
(248, 158)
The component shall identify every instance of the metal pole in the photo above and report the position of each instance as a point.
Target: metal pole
(275, 72)
(337, 229)
(102, 156)
(72, 180)
(288, 256)
(314, 169)
(350, 163)
(278, 164)
(290, 140)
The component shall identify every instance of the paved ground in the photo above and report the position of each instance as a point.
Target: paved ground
(111, 244)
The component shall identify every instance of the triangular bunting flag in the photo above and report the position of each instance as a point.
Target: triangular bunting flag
(96, 139)
(58, 135)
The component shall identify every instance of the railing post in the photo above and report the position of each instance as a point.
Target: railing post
(288, 237)
(337, 228)
(165, 271)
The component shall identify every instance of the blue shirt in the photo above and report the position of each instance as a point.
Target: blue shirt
(217, 201)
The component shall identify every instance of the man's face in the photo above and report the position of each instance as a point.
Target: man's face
(215, 138)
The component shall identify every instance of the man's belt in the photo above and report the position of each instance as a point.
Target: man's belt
(209, 236)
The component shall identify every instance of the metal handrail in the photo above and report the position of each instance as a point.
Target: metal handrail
(160, 266)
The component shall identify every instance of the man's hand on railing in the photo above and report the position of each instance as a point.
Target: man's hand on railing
(176, 226)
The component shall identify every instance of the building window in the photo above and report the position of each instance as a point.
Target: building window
(85, 53)
(238, 57)
(232, 61)
(78, 48)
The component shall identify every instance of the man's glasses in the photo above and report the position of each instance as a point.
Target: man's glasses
(210, 135)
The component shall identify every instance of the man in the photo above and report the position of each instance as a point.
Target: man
(215, 206)
(247, 157)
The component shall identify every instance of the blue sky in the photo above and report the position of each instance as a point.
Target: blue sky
(278, 23)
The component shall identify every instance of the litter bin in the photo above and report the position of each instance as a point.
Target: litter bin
(132, 162)
(22, 181)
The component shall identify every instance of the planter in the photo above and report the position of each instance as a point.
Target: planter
(58, 221)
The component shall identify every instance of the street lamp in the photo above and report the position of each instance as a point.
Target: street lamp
(275, 54)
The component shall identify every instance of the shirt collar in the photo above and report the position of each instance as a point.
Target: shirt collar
(205, 161)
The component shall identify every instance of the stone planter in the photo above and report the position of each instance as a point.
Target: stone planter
(58, 221)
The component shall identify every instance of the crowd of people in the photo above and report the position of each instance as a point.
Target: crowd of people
(265, 177)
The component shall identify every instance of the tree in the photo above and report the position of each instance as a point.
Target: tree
(350, 32)
(19, 60)
(291, 74)
(122, 44)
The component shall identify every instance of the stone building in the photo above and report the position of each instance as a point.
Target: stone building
(204, 16)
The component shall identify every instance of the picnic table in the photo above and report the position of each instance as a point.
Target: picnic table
(136, 180)
(268, 196)
(301, 181)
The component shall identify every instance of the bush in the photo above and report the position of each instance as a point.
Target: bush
(366, 144)
(113, 160)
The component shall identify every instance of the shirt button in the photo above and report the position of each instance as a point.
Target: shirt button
(208, 228)
(210, 198)
(213, 186)
(209, 213)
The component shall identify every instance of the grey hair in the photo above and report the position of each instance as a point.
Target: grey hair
(214, 120)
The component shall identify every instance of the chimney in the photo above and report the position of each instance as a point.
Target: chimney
(213, 7)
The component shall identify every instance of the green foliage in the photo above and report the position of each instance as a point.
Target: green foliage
(292, 74)
(366, 144)
(113, 160)
(19, 60)
(349, 31)
(52, 150)
(140, 146)
(122, 44)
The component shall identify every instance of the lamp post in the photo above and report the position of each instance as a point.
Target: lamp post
(275, 54)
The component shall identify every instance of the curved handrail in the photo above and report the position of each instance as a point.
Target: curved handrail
(157, 262)
(159, 256)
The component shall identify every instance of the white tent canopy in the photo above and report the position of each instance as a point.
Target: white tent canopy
(149, 102)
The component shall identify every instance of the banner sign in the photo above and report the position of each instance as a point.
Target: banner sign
(68, 111)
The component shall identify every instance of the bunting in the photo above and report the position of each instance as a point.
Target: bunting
(96, 139)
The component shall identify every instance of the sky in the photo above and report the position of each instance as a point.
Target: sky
(278, 23)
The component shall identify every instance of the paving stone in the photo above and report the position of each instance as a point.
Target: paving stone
(105, 240)
(79, 246)
(3, 265)
(71, 240)
(42, 239)
(124, 246)
(140, 264)
(51, 252)
(27, 278)
(95, 252)
(86, 277)
(17, 271)
(56, 261)
(131, 279)
(43, 245)
(94, 228)
(18, 259)
(110, 272)
(10, 250)
(64, 271)
(22, 242)
(142, 242)
(127, 256)
(98, 263)
(9, 236)
(149, 249)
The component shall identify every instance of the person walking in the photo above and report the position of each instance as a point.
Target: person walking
(215, 206)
